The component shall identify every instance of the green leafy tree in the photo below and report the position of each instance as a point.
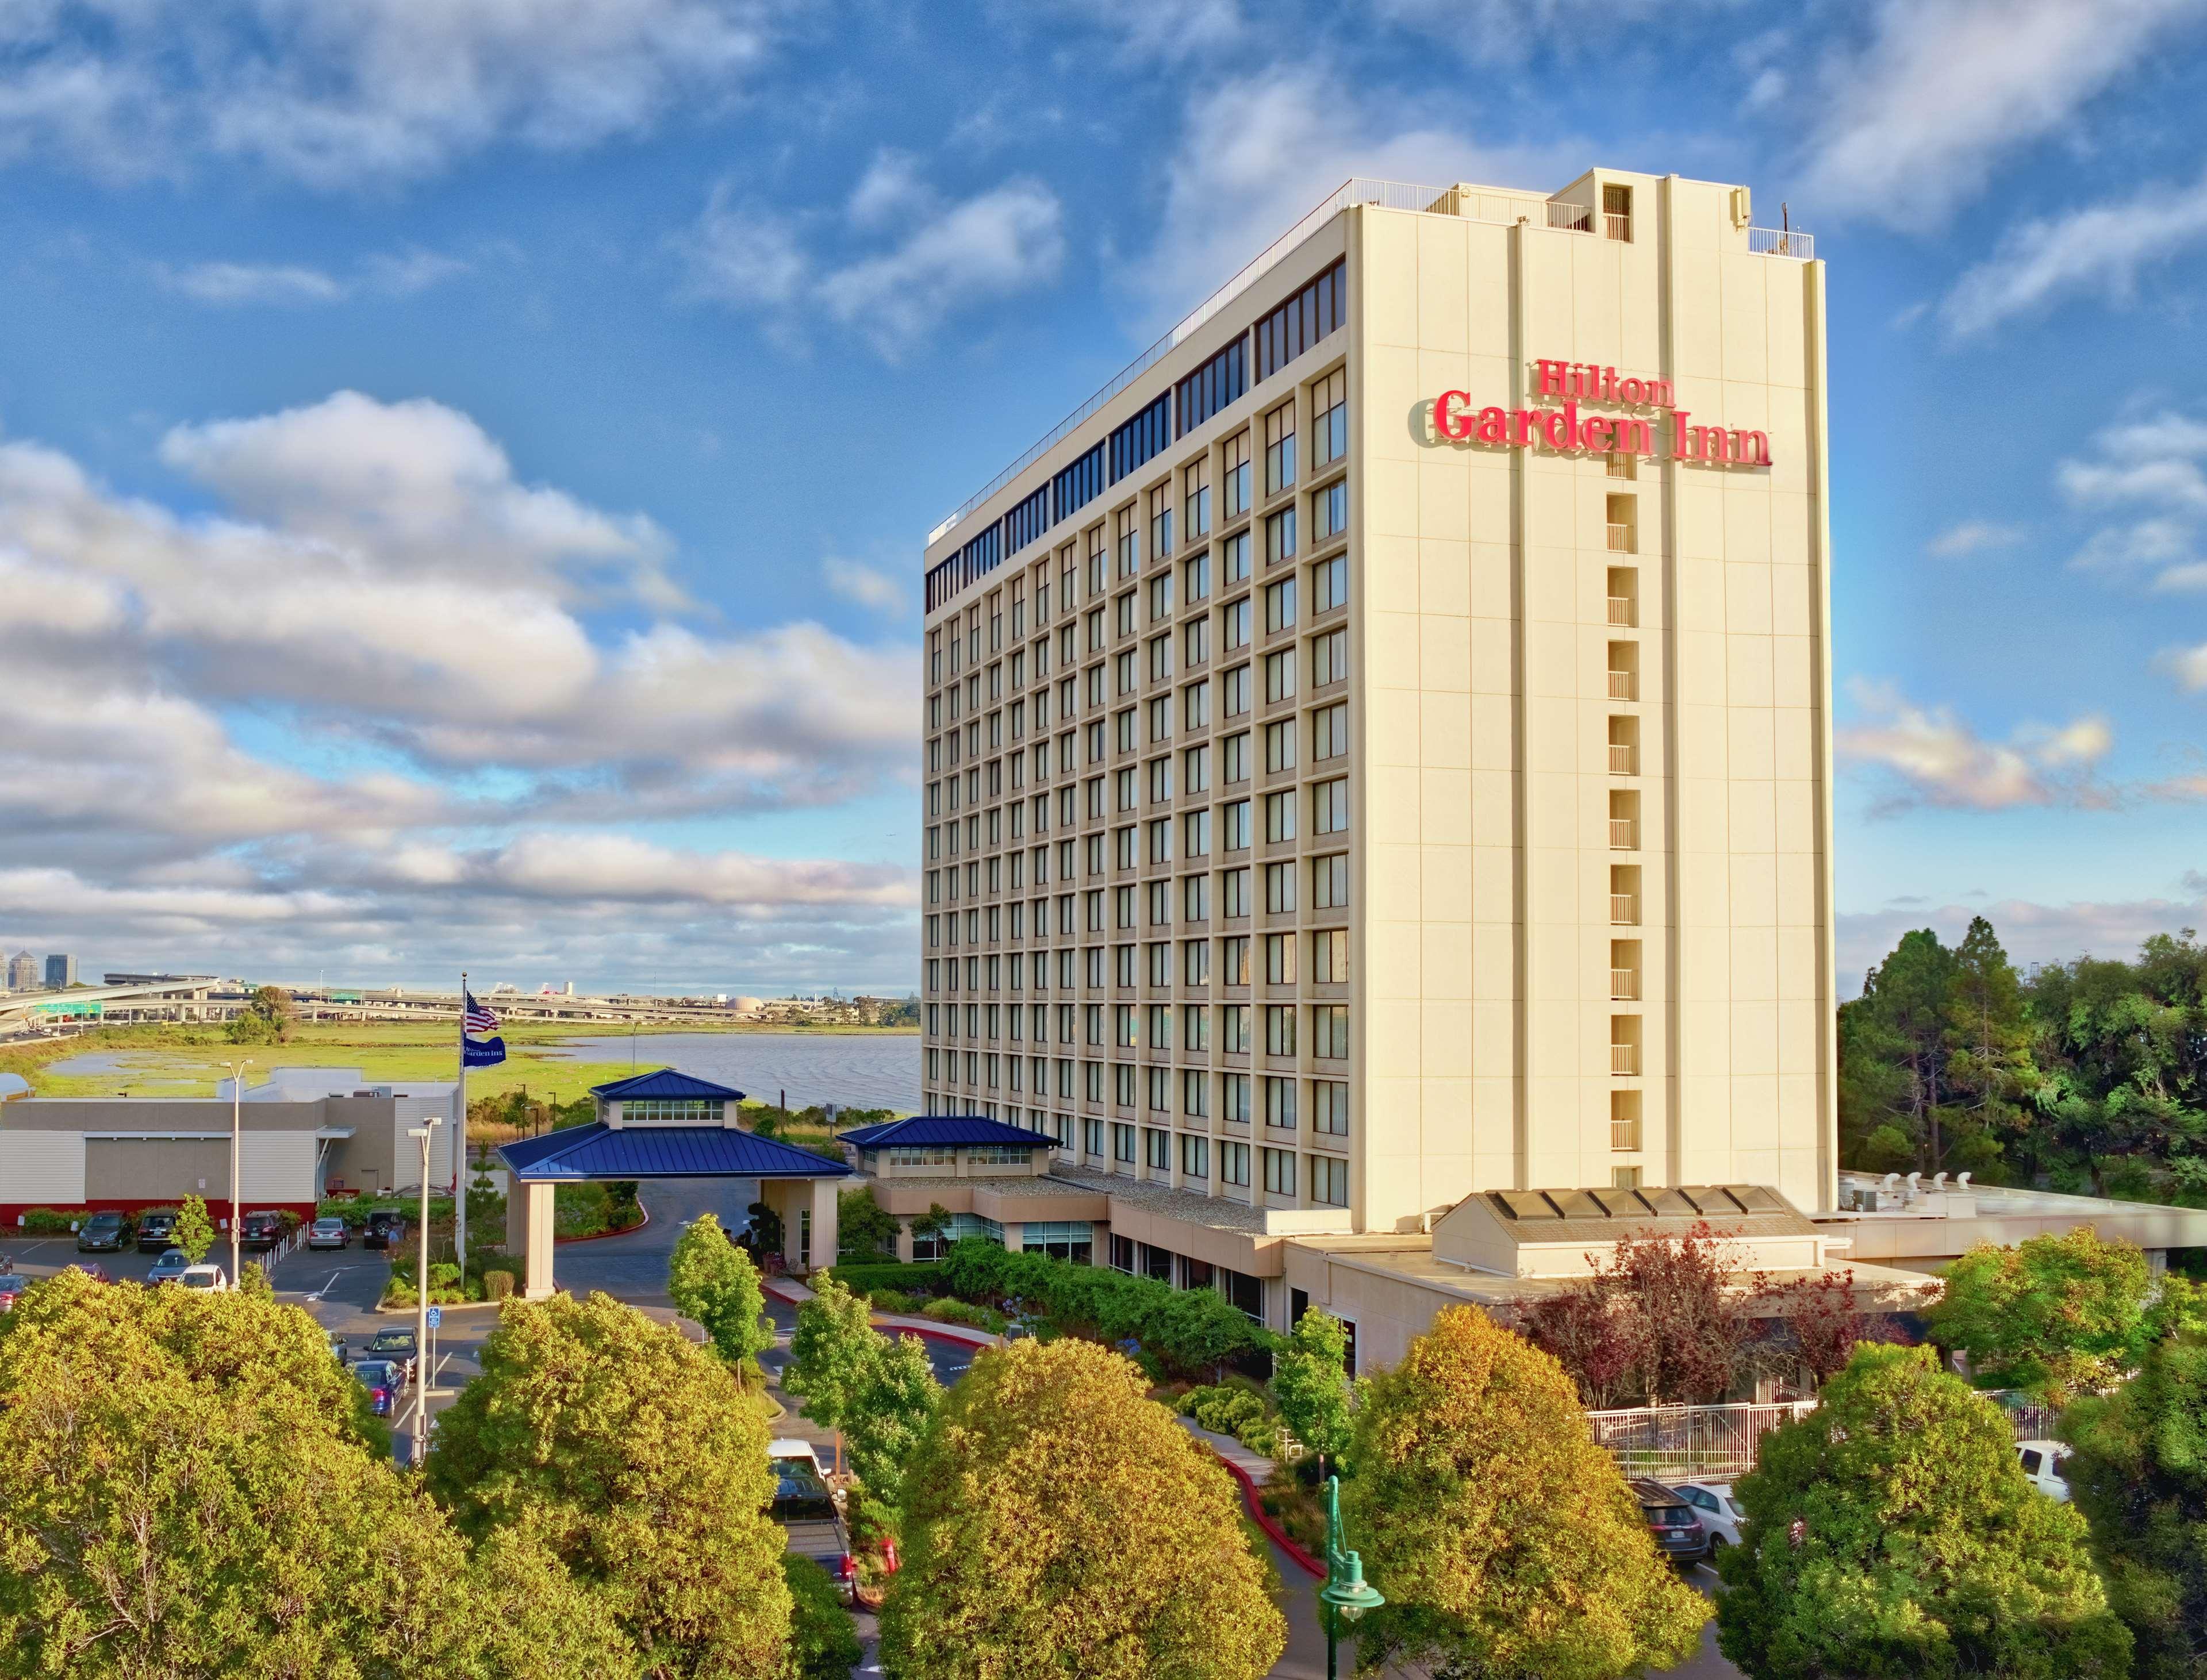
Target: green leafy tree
(864, 1229)
(2139, 1475)
(1505, 1540)
(831, 1353)
(266, 1018)
(711, 1280)
(1899, 1023)
(194, 1232)
(932, 1223)
(1060, 1522)
(1990, 1073)
(253, 1281)
(635, 1458)
(1892, 1533)
(1310, 1380)
(823, 1643)
(193, 1487)
(891, 1404)
(2057, 1314)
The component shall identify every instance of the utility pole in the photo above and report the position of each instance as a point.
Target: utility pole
(422, 1304)
(237, 1119)
(460, 1141)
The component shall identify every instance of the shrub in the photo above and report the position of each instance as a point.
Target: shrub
(1184, 1330)
(913, 1279)
(50, 1222)
(892, 1300)
(823, 1645)
(965, 1312)
(1223, 1409)
(498, 1285)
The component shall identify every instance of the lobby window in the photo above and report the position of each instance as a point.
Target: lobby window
(1280, 536)
(1279, 1171)
(1329, 732)
(1280, 449)
(1280, 744)
(1330, 882)
(1329, 1181)
(1624, 1178)
(1330, 1107)
(1330, 1033)
(1196, 522)
(1194, 1156)
(1624, 1121)
(1233, 1164)
(1236, 478)
(1329, 806)
(1329, 956)
(1330, 512)
(1329, 418)
(1280, 605)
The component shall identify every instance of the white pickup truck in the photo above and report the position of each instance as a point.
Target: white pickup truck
(807, 1511)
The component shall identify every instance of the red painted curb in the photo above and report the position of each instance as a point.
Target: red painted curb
(600, 1236)
(1264, 1518)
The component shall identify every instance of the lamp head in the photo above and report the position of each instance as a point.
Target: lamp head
(1349, 1593)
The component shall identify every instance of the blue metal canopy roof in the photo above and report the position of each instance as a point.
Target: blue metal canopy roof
(578, 1153)
(946, 1130)
(663, 1082)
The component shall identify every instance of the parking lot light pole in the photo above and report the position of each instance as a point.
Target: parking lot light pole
(237, 1115)
(422, 1304)
(1345, 1595)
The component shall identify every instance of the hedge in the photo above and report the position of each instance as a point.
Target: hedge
(1188, 1329)
(908, 1278)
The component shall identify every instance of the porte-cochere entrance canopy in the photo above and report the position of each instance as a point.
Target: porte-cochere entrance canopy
(660, 1125)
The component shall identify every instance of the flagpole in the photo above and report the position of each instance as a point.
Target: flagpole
(460, 1147)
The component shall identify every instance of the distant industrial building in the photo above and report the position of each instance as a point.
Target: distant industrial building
(60, 972)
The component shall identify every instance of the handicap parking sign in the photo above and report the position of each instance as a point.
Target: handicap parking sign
(436, 1317)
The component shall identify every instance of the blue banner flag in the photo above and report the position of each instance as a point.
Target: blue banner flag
(474, 1019)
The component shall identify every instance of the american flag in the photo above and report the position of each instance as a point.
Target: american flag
(475, 1020)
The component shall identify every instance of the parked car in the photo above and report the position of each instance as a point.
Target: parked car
(261, 1229)
(338, 1350)
(811, 1522)
(91, 1268)
(156, 1230)
(2044, 1466)
(12, 1284)
(385, 1381)
(209, 1277)
(1714, 1508)
(173, 1264)
(1671, 1519)
(104, 1233)
(328, 1233)
(398, 1346)
(386, 1229)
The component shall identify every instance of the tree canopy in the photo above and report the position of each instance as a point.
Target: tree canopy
(266, 1019)
(1060, 1522)
(1310, 1380)
(864, 1229)
(640, 1463)
(1891, 1533)
(1505, 1540)
(2139, 1475)
(894, 1399)
(711, 1280)
(194, 1232)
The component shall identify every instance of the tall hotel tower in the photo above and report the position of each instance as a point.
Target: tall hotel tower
(1378, 749)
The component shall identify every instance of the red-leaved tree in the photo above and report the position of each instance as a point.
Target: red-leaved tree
(1602, 1344)
(1657, 1321)
(1821, 1319)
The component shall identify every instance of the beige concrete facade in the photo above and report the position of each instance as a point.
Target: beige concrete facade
(1491, 852)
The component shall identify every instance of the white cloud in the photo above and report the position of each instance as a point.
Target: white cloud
(892, 186)
(390, 274)
(2151, 473)
(868, 586)
(2099, 248)
(1973, 537)
(1166, 30)
(740, 252)
(370, 90)
(1937, 759)
(1913, 121)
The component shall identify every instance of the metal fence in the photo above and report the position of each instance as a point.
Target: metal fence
(1688, 1442)
(1782, 242)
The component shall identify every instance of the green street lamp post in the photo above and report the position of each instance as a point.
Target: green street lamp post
(1345, 1594)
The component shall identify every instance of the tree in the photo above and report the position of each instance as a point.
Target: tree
(891, 1404)
(266, 1018)
(1900, 1021)
(1990, 1070)
(864, 1229)
(2057, 1314)
(1504, 1539)
(1310, 1380)
(1061, 1522)
(638, 1460)
(2139, 1475)
(711, 1280)
(193, 1487)
(194, 1232)
(1891, 1533)
(932, 1223)
(831, 1351)
(1659, 1320)
(823, 1643)
(1822, 1317)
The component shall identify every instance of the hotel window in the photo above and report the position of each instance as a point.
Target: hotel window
(1624, 671)
(1280, 1104)
(1233, 1164)
(1160, 896)
(1625, 895)
(1303, 319)
(1330, 882)
(1211, 388)
(1195, 833)
(1160, 657)
(1279, 1171)
(1280, 605)
(1280, 816)
(1235, 1089)
(1234, 750)
(1124, 543)
(1234, 968)
(1330, 1031)
(1195, 579)
(1237, 693)
(1123, 614)
(1195, 640)
(1280, 536)
(1195, 962)
(1194, 1027)
(1122, 730)
(1329, 956)
(1233, 1029)
(1195, 769)
(1624, 746)
(1280, 675)
(1195, 1093)
(1197, 523)
(1195, 706)
(1161, 597)
(1122, 1085)
(1234, 620)
(1234, 826)
(1195, 898)
(1329, 657)
(1624, 596)
(1329, 418)
(1234, 893)
(1194, 1156)
(1280, 1040)
(1624, 819)
(1280, 744)
(1161, 522)
(1279, 959)
(1329, 1183)
(1329, 732)
(1279, 888)
(1622, 465)
(1122, 1143)
(1280, 449)
(1156, 1147)
(1234, 564)
(1624, 1045)
(1091, 1138)
(1622, 534)
(1330, 512)
(1329, 806)
(1330, 1107)
(1236, 476)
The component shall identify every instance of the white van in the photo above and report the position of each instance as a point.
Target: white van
(2044, 1464)
(203, 1278)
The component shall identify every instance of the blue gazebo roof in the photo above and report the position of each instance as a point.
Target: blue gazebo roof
(578, 1153)
(946, 1131)
(663, 1082)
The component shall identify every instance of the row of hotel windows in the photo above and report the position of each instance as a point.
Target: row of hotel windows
(1328, 877)
(1153, 1088)
(1156, 1025)
(1329, 951)
(1324, 1176)
(1151, 513)
(1236, 825)
(1285, 333)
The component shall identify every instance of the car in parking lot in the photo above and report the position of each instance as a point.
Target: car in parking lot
(328, 1233)
(211, 1278)
(1671, 1519)
(386, 1229)
(156, 1230)
(12, 1284)
(2044, 1466)
(261, 1229)
(384, 1380)
(172, 1266)
(812, 1522)
(1715, 1509)
(396, 1345)
(104, 1233)
(91, 1268)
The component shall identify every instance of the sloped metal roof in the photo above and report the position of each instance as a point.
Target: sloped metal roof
(663, 1082)
(941, 1131)
(1603, 1214)
(579, 1153)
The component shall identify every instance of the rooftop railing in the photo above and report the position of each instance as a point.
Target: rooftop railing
(1781, 242)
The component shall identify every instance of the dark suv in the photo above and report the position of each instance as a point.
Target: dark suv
(1677, 1531)
(103, 1233)
(156, 1230)
(386, 1229)
(261, 1229)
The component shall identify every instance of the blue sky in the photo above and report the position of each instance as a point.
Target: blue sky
(427, 527)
